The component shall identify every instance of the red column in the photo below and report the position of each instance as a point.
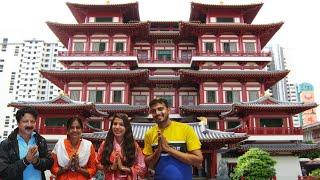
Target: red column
(241, 50)
(70, 44)
(66, 88)
(84, 91)
(110, 44)
(87, 48)
(105, 123)
(218, 50)
(262, 90)
(258, 44)
(129, 46)
(176, 52)
(213, 169)
(221, 124)
(176, 97)
(152, 52)
(220, 93)
(290, 119)
(151, 94)
(107, 97)
(201, 93)
(126, 93)
(200, 45)
(244, 92)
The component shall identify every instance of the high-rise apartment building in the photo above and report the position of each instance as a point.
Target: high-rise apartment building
(19, 67)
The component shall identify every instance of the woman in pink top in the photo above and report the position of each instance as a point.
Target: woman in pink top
(119, 155)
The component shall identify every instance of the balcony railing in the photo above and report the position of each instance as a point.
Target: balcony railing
(96, 53)
(165, 61)
(271, 130)
(237, 53)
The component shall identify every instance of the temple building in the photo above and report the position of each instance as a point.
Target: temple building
(211, 66)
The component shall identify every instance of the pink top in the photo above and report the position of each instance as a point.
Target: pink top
(138, 168)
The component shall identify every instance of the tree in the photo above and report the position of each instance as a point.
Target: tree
(315, 172)
(254, 164)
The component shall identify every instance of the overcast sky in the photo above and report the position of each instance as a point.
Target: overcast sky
(25, 19)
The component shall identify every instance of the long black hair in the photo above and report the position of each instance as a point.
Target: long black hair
(128, 146)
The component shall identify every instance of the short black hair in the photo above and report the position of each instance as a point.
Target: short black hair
(160, 101)
(72, 119)
(21, 112)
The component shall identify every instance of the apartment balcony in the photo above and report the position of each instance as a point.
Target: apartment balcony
(271, 130)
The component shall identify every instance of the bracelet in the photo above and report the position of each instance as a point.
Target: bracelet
(25, 161)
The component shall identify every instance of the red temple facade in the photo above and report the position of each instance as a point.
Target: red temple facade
(211, 66)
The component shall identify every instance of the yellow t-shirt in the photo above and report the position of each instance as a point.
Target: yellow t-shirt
(180, 136)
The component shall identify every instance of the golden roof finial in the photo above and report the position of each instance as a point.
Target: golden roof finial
(107, 1)
(221, 2)
(62, 93)
(203, 120)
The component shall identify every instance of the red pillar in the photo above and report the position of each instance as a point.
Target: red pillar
(240, 39)
(221, 124)
(126, 93)
(110, 44)
(200, 45)
(218, 50)
(220, 93)
(152, 52)
(258, 44)
(105, 123)
(290, 119)
(66, 88)
(176, 97)
(151, 94)
(129, 45)
(107, 98)
(84, 91)
(176, 52)
(262, 90)
(70, 44)
(213, 169)
(244, 92)
(87, 48)
(201, 93)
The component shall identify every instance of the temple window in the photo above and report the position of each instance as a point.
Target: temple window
(212, 125)
(75, 95)
(164, 54)
(232, 124)
(271, 122)
(253, 95)
(208, 47)
(119, 46)
(249, 47)
(117, 96)
(95, 96)
(229, 47)
(98, 46)
(211, 96)
(104, 19)
(143, 54)
(56, 122)
(232, 96)
(186, 54)
(225, 19)
(78, 46)
(188, 100)
(140, 100)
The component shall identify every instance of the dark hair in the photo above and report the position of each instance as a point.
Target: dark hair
(160, 101)
(31, 110)
(128, 146)
(72, 119)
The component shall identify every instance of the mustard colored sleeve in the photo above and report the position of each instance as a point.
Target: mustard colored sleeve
(193, 142)
(147, 149)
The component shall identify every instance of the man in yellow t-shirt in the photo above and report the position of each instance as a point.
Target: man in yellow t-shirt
(171, 148)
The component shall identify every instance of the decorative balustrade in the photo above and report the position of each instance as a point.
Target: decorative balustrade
(237, 53)
(270, 130)
(96, 53)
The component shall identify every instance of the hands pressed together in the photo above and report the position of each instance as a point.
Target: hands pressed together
(163, 143)
(117, 165)
(32, 155)
(73, 165)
